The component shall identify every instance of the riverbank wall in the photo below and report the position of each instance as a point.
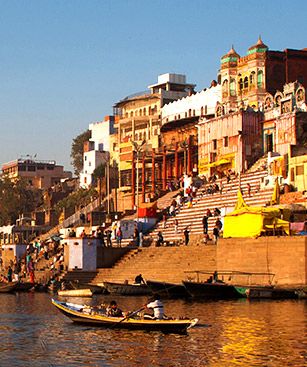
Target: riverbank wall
(283, 257)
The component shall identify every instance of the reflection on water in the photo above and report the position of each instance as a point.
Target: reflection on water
(231, 333)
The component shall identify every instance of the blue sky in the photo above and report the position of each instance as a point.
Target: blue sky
(63, 64)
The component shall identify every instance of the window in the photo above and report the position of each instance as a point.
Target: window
(299, 170)
(232, 87)
(252, 78)
(89, 164)
(225, 141)
(260, 79)
(214, 143)
(85, 158)
(240, 84)
(202, 111)
(246, 82)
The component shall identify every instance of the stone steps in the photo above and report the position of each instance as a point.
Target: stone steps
(162, 263)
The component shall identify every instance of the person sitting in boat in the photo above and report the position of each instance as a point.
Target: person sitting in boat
(139, 279)
(156, 305)
(113, 310)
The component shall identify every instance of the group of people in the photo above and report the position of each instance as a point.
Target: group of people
(154, 310)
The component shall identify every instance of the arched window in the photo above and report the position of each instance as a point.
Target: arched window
(252, 78)
(232, 87)
(135, 113)
(144, 111)
(260, 79)
(141, 112)
(202, 111)
(240, 84)
(190, 112)
(246, 82)
(131, 114)
(225, 88)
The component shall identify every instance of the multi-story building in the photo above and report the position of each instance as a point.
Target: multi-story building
(246, 79)
(284, 133)
(138, 133)
(97, 150)
(231, 141)
(39, 174)
(179, 135)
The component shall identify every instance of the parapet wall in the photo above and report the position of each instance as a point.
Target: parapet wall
(285, 257)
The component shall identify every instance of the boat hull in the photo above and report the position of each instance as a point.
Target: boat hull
(212, 290)
(127, 289)
(78, 316)
(268, 292)
(8, 287)
(76, 293)
(168, 290)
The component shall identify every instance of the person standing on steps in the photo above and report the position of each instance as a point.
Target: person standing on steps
(205, 224)
(186, 234)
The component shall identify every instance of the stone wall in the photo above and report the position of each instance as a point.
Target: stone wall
(285, 257)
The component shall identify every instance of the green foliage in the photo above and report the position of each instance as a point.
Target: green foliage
(76, 153)
(75, 200)
(99, 172)
(16, 198)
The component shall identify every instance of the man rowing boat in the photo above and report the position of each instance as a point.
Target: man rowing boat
(158, 309)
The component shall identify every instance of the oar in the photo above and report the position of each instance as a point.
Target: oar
(127, 317)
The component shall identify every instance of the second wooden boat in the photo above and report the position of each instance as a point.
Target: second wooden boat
(217, 290)
(76, 293)
(168, 290)
(127, 289)
(8, 287)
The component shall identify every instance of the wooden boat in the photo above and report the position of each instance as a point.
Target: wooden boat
(269, 292)
(7, 287)
(217, 290)
(96, 289)
(24, 286)
(168, 290)
(76, 293)
(84, 315)
(127, 289)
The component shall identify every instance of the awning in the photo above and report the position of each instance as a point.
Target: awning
(219, 163)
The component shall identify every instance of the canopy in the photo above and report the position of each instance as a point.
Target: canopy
(248, 221)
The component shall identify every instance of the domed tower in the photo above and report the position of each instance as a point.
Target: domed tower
(228, 72)
(259, 47)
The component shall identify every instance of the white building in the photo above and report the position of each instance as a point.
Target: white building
(97, 149)
(199, 104)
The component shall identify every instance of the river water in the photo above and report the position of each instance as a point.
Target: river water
(231, 333)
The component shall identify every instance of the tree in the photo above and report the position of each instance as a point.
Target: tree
(76, 153)
(99, 172)
(16, 198)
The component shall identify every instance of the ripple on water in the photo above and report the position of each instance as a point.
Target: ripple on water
(236, 333)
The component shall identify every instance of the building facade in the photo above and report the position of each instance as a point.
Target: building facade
(246, 79)
(39, 174)
(97, 150)
(138, 136)
(231, 141)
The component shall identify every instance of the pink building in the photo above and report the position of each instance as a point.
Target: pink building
(231, 141)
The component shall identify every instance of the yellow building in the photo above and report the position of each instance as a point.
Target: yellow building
(137, 124)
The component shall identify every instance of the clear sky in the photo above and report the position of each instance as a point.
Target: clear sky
(63, 64)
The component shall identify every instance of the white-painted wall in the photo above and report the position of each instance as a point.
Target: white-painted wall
(208, 97)
(82, 253)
